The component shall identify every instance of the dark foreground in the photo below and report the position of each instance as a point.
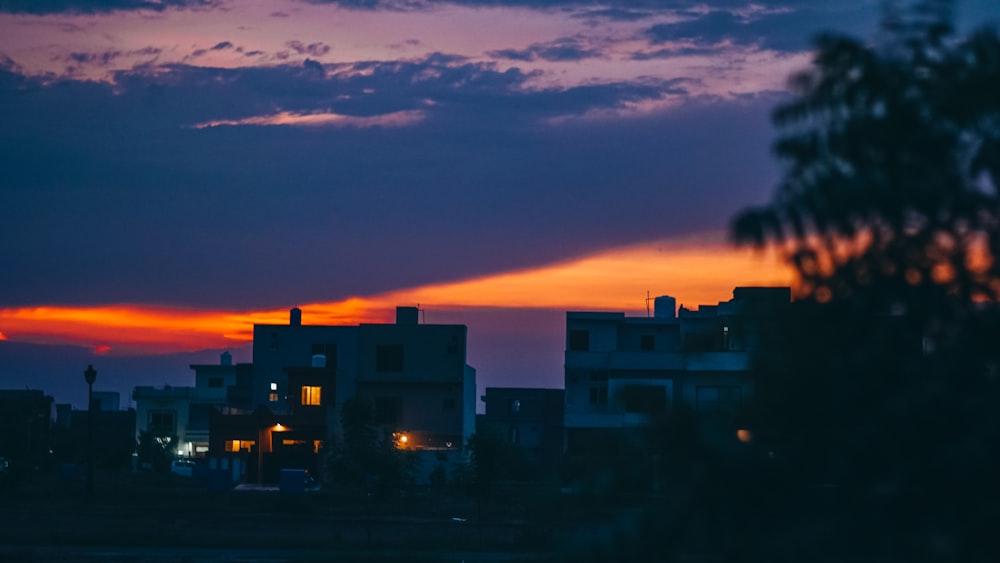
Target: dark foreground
(143, 517)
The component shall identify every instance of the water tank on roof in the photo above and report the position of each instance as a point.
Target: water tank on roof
(295, 317)
(664, 307)
(319, 361)
(226, 359)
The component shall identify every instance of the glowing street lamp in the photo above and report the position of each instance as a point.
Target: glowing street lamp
(90, 376)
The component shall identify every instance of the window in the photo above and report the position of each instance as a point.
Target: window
(239, 445)
(644, 399)
(389, 358)
(725, 337)
(579, 340)
(329, 350)
(515, 406)
(311, 395)
(712, 398)
(647, 342)
(162, 422)
(274, 386)
(514, 435)
(449, 404)
(598, 389)
(216, 382)
(388, 410)
(272, 396)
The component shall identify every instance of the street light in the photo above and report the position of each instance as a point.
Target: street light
(90, 375)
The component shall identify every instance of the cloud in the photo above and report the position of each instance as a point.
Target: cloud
(396, 119)
(779, 28)
(97, 6)
(248, 215)
(317, 49)
(563, 49)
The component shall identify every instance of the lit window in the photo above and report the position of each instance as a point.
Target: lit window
(273, 397)
(239, 445)
(311, 395)
(274, 386)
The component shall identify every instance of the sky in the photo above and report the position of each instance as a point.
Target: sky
(173, 171)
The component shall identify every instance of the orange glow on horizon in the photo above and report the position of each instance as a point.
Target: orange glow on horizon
(694, 272)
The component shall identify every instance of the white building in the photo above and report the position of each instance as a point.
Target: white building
(183, 412)
(621, 372)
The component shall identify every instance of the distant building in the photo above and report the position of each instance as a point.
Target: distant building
(26, 422)
(184, 412)
(622, 372)
(414, 375)
(529, 418)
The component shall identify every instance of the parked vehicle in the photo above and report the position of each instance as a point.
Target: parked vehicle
(182, 467)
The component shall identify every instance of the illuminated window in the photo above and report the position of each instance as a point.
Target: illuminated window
(239, 445)
(310, 395)
(293, 442)
(273, 397)
(274, 386)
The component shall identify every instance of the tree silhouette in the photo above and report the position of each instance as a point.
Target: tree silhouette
(877, 424)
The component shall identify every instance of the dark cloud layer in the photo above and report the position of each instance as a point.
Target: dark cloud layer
(114, 197)
(782, 31)
(96, 6)
(563, 49)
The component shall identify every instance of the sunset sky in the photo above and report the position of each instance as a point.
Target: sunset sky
(172, 171)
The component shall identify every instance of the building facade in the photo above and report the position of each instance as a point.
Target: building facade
(623, 372)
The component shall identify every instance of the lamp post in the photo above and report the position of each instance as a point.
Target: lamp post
(90, 375)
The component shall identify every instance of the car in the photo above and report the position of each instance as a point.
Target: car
(182, 467)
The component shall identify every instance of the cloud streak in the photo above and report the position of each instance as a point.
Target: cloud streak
(695, 272)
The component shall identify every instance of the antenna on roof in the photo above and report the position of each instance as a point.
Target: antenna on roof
(648, 299)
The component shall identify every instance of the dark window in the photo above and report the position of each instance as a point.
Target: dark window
(453, 348)
(514, 435)
(644, 398)
(161, 423)
(647, 342)
(216, 382)
(515, 406)
(388, 410)
(389, 358)
(328, 350)
(449, 404)
(579, 340)
(599, 388)
(728, 398)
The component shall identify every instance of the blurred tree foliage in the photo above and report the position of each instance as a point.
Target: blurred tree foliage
(877, 425)
(366, 459)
